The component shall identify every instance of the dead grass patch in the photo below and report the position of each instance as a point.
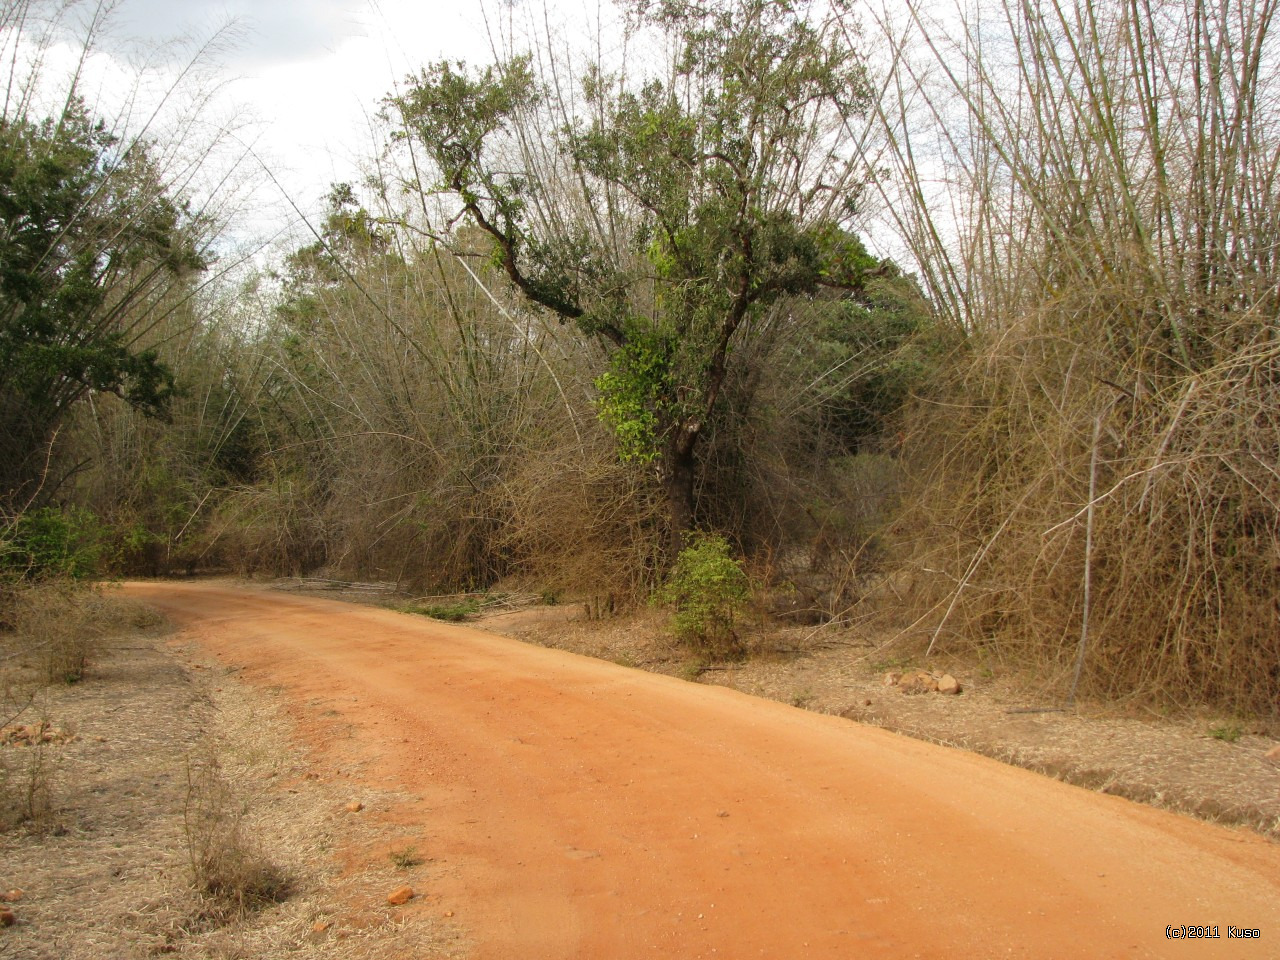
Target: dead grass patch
(52, 631)
(183, 813)
(226, 864)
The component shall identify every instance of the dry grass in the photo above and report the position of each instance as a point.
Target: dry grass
(25, 787)
(176, 767)
(1098, 489)
(226, 864)
(56, 627)
(1146, 526)
(580, 522)
(54, 630)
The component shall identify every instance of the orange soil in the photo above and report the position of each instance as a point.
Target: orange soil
(583, 809)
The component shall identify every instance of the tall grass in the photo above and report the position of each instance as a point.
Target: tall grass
(1090, 191)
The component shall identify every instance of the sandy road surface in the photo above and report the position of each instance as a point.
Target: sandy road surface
(585, 810)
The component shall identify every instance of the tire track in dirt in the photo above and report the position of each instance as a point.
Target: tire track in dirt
(586, 810)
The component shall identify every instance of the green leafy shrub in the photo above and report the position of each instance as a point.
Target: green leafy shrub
(632, 392)
(1226, 732)
(708, 591)
(452, 612)
(51, 543)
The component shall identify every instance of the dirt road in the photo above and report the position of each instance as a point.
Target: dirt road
(584, 810)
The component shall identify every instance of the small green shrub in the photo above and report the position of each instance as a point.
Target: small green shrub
(1226, 732)
(802, 697)
(892, 663)
(452, 612)
(52, 543)
(708, 592)
(135, 550)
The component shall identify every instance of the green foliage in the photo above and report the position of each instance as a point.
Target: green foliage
(50, 543)
(91, 241)
(135, 550)
(349, 237)
(451, 612)
(706, 155)
(693, 668)
(456, 113)
(458, 116)
(633, 396)
(1226, 732)
(865, 357)
(722, 183)
(708, 591)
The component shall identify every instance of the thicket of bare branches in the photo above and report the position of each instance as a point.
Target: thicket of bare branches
(422, 429)
(1088, 194)
(1091, 193)
(436, 428)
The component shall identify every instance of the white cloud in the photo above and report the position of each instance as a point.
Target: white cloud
(308, 75)
(299, 80)
(273, 31)
(317, 108)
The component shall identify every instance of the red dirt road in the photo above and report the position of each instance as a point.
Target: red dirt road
(585, 810)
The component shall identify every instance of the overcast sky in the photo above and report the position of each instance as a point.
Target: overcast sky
(300, 81)
(308, 75)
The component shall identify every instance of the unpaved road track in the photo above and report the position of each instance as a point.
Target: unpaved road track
(585, 810)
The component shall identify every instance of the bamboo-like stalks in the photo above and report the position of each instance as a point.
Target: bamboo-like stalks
(1107, 234)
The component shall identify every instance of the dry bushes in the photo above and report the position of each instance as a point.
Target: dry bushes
(26, 771)
(49, 638)
(51, 632)
(225, 865)
(55, 626)
(579, 521)
(1100, 470)
(275, 527)
(407, 398)
(1180, 551)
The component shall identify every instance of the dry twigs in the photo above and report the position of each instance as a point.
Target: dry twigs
(1110, 249)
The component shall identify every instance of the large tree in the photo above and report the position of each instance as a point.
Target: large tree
(90, 245)
(664, 214)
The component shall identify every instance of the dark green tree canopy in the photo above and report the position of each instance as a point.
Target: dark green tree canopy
(89, 241)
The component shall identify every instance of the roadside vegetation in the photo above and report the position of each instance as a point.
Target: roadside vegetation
(1093, 487)
(962, 322)
(957, 324)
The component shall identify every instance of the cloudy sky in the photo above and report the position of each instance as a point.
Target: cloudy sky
(309, 74)
(303, 78)
(297, 82)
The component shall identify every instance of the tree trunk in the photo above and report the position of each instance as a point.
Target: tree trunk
(678, 471)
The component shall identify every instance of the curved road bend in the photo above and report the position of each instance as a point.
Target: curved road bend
(585, 810)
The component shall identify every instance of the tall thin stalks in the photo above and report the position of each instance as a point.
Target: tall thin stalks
(1090, 193)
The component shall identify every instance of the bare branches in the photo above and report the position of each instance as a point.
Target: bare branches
(1105, 232)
